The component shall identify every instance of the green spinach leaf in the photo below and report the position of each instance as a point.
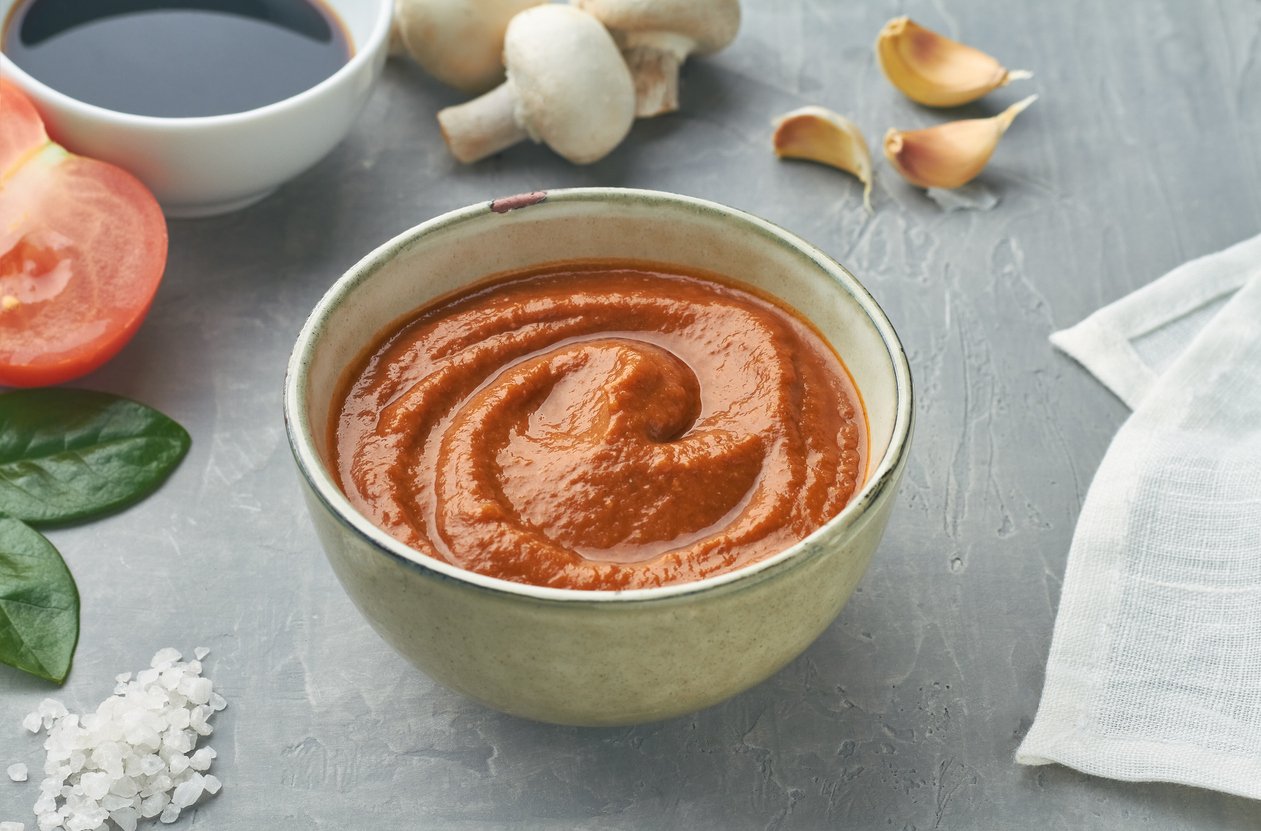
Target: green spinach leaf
(67, 455)
(39, 604)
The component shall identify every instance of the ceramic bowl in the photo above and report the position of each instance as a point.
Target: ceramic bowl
(215, 164)
(596, 657)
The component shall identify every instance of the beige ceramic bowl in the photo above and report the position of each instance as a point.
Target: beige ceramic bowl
(219, 163)
(597, 657)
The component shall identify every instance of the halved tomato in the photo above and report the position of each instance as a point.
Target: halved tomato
(82, 250)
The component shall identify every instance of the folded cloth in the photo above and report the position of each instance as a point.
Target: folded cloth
(1155, 665)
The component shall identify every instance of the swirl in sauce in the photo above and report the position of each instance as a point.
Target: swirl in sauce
(601, 426)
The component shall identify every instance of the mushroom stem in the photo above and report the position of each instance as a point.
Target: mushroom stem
(654, 59)
(397, 48)
(484, 126)
(656, 75)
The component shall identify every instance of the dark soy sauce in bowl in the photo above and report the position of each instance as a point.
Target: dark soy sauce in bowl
(176, 58)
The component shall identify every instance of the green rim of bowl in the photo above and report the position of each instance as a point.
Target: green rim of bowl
(321, 483)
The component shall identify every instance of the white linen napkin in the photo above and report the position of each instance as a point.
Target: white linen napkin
(1155, 665)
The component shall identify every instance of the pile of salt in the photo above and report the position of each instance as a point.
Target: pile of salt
(134, 756)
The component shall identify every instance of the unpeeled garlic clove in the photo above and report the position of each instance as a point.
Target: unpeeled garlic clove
(952, 154)
(820, 135)
(934, 70)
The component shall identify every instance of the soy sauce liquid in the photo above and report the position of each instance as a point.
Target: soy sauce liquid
(176, 58)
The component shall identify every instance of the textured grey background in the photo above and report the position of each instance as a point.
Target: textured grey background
(1141, 153)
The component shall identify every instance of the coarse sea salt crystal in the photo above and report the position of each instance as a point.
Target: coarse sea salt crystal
(200, 652)
(197, 689)
(135, 757)
(95, 785)
(125, 787)
(150, 764)
(178, 763)
(201, 759)
(180, 741)
(125, 818)
(164, 658)
(113, 802)
(50, 709)
(170, 678)
(186, 793)
(15, 826)
(151, 806)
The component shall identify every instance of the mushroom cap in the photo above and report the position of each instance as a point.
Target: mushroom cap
(709, 24)
(573, 89)
(459, 42)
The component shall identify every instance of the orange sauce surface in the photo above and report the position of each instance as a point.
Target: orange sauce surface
(601, 426)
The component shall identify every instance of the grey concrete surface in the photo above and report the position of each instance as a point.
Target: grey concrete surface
(1141, 153)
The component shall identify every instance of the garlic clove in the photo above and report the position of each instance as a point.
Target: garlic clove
(820, 135)
(934, 70)
(952, 154)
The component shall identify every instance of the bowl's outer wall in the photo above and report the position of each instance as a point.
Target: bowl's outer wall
(593, 661)
(626, 663)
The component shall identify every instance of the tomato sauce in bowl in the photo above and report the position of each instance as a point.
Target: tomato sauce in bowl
(600, 425)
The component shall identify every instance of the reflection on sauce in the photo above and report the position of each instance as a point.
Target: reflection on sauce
(601, 426)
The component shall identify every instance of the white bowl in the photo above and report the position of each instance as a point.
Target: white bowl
(214, 164)
(597, 657)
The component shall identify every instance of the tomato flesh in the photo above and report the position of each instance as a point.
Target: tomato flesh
(82, 250)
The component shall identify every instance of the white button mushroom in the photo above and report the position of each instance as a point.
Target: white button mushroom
(459, 42)
(656, 37)
(567, 87)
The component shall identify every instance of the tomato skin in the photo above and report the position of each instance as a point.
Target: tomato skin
(82, 250)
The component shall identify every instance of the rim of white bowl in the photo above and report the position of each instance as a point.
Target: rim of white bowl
(312, 468)
(363, 53)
